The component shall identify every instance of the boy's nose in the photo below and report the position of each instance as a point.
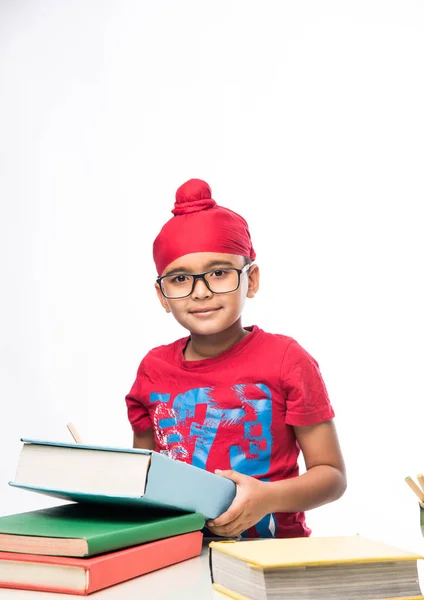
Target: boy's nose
(201, 290)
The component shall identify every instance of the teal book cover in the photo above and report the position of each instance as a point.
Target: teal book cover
(168, 484)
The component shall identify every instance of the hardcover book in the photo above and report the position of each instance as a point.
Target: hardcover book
(327, 568)
(83, 576)
(120, 476)
(88, 529)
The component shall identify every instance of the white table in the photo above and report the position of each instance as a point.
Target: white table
(189, 580)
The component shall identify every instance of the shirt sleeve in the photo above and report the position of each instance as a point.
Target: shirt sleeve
(136, 400)
(307, 401)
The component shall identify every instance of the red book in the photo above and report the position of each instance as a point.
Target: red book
(84, 576)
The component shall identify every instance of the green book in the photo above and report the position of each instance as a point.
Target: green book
(87, 529)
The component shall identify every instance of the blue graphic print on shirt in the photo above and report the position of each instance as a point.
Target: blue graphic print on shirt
(176, 421)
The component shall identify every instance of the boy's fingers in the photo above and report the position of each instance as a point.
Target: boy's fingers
(230, 474)
(231, 529)
(230, 515)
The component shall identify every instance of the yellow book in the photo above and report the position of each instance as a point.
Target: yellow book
(222, 593)
(352, 567)
(294, 552)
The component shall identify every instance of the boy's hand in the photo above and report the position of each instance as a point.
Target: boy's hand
(248, 507)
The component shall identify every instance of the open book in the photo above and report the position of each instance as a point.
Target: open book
(120, 476)
(327, 568)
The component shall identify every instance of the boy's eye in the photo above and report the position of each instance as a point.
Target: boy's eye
(219, 273)
(179, 279)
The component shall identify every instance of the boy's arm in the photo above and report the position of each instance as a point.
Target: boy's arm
(325, 477)
(144, 440)
(323, 482)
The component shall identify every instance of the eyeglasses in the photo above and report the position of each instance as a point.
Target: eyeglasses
(218, 281)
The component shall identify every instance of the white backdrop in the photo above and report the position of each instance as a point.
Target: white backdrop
(305, 117)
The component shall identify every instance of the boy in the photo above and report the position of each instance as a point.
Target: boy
(236, 401)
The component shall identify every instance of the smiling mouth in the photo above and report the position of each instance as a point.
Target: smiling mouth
(205, 311)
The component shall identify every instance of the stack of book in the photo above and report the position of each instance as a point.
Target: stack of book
(131, 512)
(348, 567)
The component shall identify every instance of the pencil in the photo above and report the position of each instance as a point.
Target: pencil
(78, 440)
(419, 493)
(420, 478)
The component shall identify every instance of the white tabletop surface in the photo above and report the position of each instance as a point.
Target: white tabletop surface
(189, 580)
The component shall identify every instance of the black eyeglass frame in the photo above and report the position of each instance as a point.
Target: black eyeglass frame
(202, 276)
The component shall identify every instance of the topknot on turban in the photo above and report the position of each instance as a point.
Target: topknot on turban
(192, 196)
(199, 224)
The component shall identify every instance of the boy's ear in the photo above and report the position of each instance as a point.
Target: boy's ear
(162, 299)
(253, 281)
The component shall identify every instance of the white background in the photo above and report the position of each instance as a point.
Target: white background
(305, 117)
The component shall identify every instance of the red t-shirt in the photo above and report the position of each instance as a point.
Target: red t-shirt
(233, 411)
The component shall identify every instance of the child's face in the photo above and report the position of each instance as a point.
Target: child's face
(204, 312)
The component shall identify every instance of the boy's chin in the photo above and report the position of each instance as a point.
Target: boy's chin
(208, 328)
(205, 329)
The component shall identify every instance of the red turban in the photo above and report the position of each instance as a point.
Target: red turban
(200, 225)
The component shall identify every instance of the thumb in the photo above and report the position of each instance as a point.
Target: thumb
(230, 474)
